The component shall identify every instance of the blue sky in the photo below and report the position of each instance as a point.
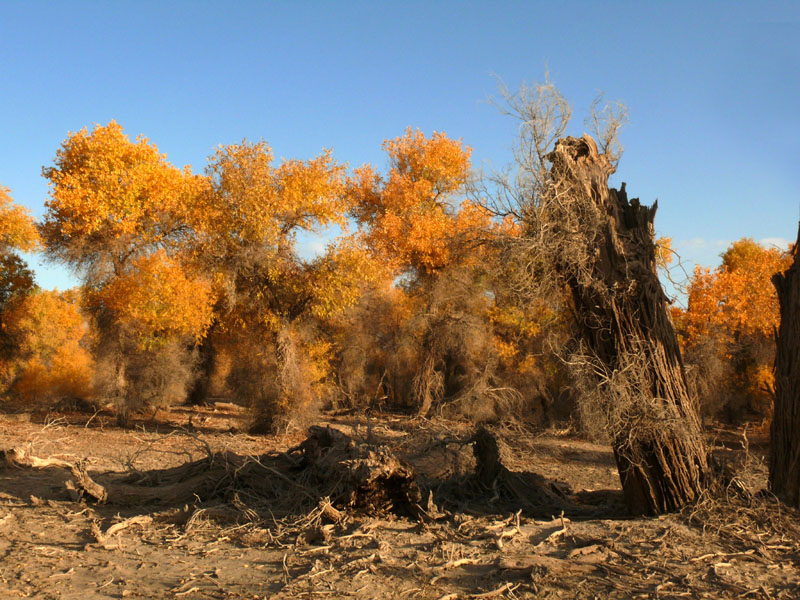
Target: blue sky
(713, 90)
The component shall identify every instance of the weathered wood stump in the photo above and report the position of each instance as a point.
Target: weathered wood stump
(372, 478)
(605, 254)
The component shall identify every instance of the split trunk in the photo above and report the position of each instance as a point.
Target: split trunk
(621, 310)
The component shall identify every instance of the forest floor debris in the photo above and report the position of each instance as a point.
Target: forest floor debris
(549, 522)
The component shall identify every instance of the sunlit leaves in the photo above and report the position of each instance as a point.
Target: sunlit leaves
(16, 279)
(51, 337)
(254, 203)
(737, 297)
(157, 300)
(112, 199)
(412, 215)
(17, 228)
(732, 313)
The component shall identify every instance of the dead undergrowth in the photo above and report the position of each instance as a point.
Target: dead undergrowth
(500, 513)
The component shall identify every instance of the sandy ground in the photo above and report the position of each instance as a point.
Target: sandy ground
(53, 547)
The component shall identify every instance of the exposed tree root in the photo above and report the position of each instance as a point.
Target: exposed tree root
(329, 474)
(19, 458)
(331, 466)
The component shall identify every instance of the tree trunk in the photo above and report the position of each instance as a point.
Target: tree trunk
(633, 354)
(207, 358)
(784, 456)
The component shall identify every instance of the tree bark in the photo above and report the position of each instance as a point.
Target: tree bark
(784, 456)
(621, 311)
(207, 355)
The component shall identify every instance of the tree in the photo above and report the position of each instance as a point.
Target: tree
(412, 216)
(784, 455)
(246, 234)
(16, 279)
(17, 227)
(579, 233)
(418, 221)
(112, 200)
(120, 215)
(51, 335)
(17, 232)
(728, 326)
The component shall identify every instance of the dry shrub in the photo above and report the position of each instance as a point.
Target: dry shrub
(375, 351)
(436, 339)
(68, 375)
(481, 403)
(279, 377)
(133, 378)
(705, 373)
(456, 358)
(733, 382)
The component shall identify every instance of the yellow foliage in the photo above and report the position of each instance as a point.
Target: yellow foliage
(664, 252)
(157, 300)
(113, 198)
(411, 216)
(339, 277)
(738, 297)
(17, 228)
(45, 321)
(254, 203)
(735, 307)
(247, 228)
(319, 354)
(52, 335)
(69, 375)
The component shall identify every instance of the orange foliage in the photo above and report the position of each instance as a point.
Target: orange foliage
(17, 228)
(738, 297)
(157, 300)
(247, 228)
(734, 310)
(254, 203)
(52, 336)
(112, 199)
(121, 213)
(412, 215)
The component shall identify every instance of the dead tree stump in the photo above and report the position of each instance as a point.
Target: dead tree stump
(372, 479)
(607, 260)
(784, 455)
(522, 490)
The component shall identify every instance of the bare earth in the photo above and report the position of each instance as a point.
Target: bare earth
(54, 547)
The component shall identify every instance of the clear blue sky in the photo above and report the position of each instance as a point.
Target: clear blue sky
(713, 90)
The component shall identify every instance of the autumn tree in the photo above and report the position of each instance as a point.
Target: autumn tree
(412, 215)
(17, 232)
(246, 234)
(728, 326)
(118, 214)
(17, 227)
(52, 361)
(580, 234)
(418, 220)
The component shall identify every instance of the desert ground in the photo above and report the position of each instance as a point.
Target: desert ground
(468, 540)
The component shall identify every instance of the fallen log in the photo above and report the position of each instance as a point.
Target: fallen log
(18, 457)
